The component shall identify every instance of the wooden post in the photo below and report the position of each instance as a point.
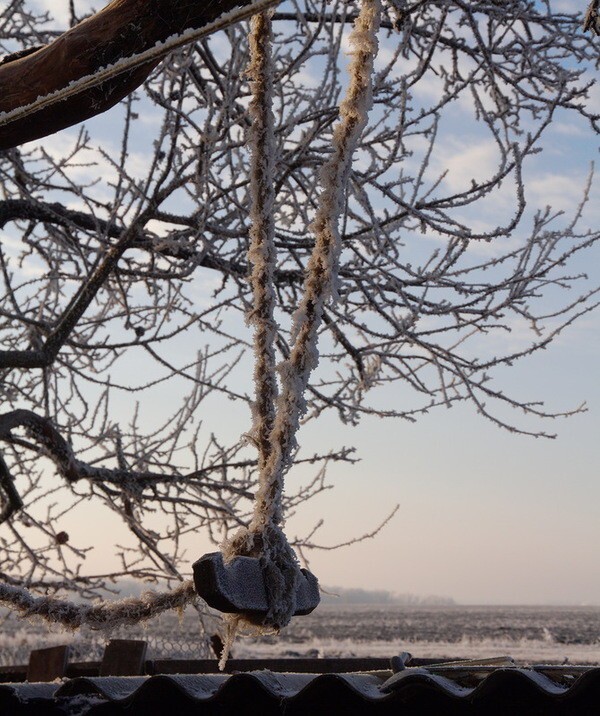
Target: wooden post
(48, 664)
(123, 28)
(124, 657)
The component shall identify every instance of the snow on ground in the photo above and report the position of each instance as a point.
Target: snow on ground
(525, 651)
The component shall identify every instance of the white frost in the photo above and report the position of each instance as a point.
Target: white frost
(265, 538)
(160, 49)
(104, 615)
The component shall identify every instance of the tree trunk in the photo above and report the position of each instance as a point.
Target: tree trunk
(123, 28)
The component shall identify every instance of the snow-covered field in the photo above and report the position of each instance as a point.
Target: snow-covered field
(528, 634)
(528, 651)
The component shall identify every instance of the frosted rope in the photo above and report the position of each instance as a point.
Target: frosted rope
(321, 275)
(104, 615)
(265, 538)
(261, 254)
(591, 20)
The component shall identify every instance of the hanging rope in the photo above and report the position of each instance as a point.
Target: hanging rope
(264, 537)
(321, 276)
(275, 430)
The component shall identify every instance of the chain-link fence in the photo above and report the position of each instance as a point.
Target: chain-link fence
(168, 637)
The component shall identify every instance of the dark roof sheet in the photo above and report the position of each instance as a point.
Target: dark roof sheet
(504, 691)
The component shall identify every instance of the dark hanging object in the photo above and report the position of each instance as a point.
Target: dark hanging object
(239, 587)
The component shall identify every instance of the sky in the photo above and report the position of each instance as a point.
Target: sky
(485, 516)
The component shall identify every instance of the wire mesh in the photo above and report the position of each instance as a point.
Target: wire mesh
(168, 637)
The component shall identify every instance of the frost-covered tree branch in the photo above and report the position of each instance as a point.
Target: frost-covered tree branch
(124, 268)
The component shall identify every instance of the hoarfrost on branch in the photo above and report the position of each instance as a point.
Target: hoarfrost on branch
(123, 270)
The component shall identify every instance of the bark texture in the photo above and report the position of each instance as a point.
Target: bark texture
(123, 28)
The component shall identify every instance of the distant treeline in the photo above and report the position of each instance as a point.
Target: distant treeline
(340, 595)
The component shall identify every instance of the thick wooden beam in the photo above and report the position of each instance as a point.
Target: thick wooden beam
(123, 28)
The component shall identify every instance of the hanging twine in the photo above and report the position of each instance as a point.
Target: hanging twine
(264, 537)
(275, 430)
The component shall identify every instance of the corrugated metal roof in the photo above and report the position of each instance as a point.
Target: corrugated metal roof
(507, 691)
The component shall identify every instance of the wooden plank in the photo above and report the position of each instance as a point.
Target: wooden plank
(48, 664)
(123, 28)
(83, 668)
(12, 674)
(292, 665)
(124, 657)
(299, 666)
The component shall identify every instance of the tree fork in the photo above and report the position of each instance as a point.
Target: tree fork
(122, 29)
